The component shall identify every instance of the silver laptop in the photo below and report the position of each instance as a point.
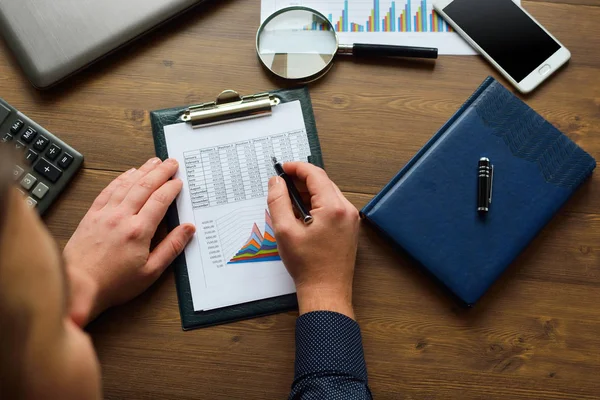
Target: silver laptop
(53, 39)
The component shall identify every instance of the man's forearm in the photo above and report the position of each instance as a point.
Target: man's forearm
(329, 358)
(319, 298)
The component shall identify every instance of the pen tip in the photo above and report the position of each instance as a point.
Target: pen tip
(274, 159)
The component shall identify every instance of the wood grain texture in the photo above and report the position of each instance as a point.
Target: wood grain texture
(573, 2)
(534, 335)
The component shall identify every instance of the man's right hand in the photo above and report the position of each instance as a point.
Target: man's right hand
(320, 257)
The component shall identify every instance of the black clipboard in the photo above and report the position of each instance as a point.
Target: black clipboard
(237, 108)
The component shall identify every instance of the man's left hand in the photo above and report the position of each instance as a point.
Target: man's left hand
(110, 250)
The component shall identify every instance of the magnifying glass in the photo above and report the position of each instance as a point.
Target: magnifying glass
(299, 43)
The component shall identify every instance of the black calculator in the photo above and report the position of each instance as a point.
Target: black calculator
(45, 164)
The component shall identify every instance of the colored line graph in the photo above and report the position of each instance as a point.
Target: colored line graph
(233, 227)
(259, 247)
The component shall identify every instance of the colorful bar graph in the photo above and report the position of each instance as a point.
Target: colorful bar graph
(423, 14)
(407, 16)
(388, 20)
(377, 19)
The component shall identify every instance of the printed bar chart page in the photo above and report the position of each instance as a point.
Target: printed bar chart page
(395, 22)
(225, 170)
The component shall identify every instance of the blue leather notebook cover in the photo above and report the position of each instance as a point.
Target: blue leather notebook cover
(430, 207)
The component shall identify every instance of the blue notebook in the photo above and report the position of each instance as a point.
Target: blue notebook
(429, 209)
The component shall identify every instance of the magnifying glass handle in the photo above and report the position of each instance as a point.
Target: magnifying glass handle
(381, 50)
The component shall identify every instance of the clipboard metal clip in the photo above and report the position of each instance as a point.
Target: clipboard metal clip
(230, 106)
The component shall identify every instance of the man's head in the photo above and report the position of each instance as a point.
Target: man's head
(43, 354)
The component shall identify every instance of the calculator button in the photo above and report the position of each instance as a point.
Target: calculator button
(6, 138)
(30, 157)
(40, 190)
(20, 146)
(4, 113)
(31, 203)
(48, 170)
(17, 126)
(40, 143)
(29, 135)
(53, 152)
(65, 161)
(17, 172)
(28, 182)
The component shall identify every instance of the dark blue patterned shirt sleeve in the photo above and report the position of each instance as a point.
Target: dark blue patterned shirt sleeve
(330, 362)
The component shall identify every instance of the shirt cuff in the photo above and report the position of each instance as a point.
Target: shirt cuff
(329, 342)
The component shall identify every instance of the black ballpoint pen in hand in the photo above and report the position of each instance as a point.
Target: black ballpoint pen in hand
(293, 191)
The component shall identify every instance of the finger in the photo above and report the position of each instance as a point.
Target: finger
(304, 194)
(345, 200)
(340, 194)
(317, 182)
(168, 250)
(82, 296)
(280, 206)
(108, 191)
(157, 205)
(125, 186)
(303, 191)
(300, 185)
(147, 185)
(305, 199)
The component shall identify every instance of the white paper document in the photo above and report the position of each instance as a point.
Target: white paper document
(225, 169)
(394, 22)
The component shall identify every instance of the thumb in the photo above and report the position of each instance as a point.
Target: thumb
(168, 250)
(84, 291)
(280, 205)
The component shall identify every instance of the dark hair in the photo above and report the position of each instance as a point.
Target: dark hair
(12, 339)
(5, 168)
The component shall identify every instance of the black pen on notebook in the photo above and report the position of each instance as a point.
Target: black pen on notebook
(294, 194)
(485, 179)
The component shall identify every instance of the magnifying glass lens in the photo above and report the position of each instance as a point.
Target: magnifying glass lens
(297, 44)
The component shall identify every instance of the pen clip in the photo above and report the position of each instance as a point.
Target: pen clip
(491, 182)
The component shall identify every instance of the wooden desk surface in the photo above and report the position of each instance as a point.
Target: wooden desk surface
(535, 335)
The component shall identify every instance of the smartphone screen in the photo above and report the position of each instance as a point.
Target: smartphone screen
(512, 39)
